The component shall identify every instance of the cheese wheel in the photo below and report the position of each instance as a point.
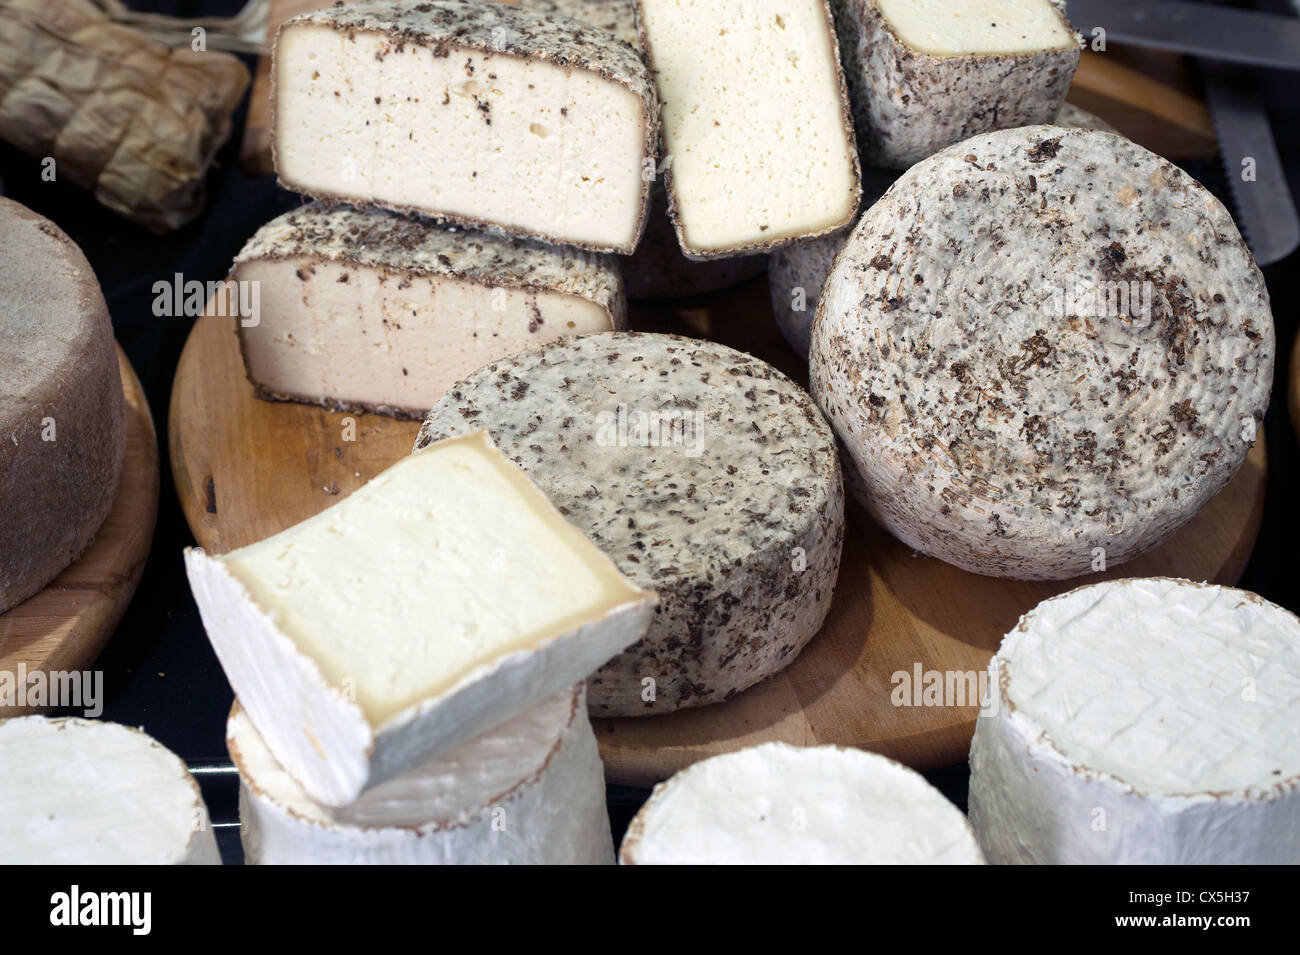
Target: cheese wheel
(1043, 349)
(1143, 721)
(777, 804)
(531, 791)
(62, 430)
(705, 474)
(85, 792)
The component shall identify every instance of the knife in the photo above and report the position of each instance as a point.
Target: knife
(1212, 32)
(1265, 210)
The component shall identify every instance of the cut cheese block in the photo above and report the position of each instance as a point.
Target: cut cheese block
(440, 599)
(706, 475)
(798, 271)
(85, 792)
(1149, 722)
(924, 74)
(471, 111)
(1044, 350)
(758, 137)
(62, 430)
(373, 311)
(777, 804)
(530, 791)
(615, 17)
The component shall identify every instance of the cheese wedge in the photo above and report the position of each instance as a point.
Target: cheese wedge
(776, 804)
(1143, 722)
(528, 792)
(86, 792)
(925, 74)
(368, 310)
(440, 599)
(471, 111)
(758, 139)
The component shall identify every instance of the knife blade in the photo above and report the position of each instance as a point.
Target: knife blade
(1212, 32)
(1266, 213)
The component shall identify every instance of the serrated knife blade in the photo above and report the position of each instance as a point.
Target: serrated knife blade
(1212, 32)
(1266, 212)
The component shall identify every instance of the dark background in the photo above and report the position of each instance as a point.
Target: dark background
(159, 672)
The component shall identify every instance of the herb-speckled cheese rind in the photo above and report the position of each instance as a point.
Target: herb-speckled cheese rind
(487, 29)
(777, 804)
(369, 310)
(1004, 409)
(1142, 722)
(615, 17)
(909, 104)
(738, 528)
(62, 425)
(528, 792)
(805, 265)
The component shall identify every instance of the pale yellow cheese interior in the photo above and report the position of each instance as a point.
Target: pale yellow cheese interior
(524, 143)
(445, 562)
(973, 27)
(373, 337)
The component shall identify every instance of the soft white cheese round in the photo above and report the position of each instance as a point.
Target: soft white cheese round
(85, 792)
(777, 804)
(1041, 348)
(1150, 721)
(531, 791)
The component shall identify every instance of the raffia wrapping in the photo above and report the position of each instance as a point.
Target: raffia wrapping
(132, 120)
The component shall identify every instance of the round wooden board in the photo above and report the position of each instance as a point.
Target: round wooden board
(65, 626)
(247, 468)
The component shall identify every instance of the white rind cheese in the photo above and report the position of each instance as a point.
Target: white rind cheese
(528, 792)
(62, 425)
(924, 74)
(704, 473)
(443, 597)
(777, 804)
(471, 111)
(1043, 347)
(758, 137)
(797, 272)
(1145, 722)
(85, 792)
(368, 310)
(615, 17)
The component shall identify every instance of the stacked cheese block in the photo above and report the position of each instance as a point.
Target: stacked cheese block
(86, 792)
(405, 664)
(61, 406)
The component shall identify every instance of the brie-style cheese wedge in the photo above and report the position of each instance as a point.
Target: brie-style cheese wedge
(925, 74)
(468, 110)
(758, 139)
(369, 310)
(777, 804)
(1143, 721)
(440, 599)
(528, 792)
(86, 792)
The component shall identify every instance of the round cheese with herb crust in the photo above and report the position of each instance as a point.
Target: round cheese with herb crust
(529, 792)
(62, 424)
(89, 792)
(1041, 348)
(704, 473)
(1142, 721)
(777, 804)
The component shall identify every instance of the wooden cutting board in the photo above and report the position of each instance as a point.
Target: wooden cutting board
(246, 468)
(65, 626)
